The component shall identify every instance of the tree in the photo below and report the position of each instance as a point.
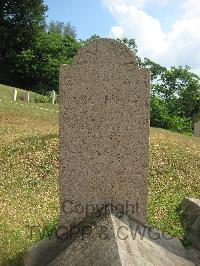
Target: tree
(188, 92)
(30, 56)
(62, 28)
(130, 43)
(92, 38)
(20, 23)
(155, 69)
(38, 68)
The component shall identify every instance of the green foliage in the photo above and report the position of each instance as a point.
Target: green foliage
(49, 229)
(175, 97)
(42, 98)
(38, 68)
(30, 56)
(47, 98)
(130, 43)
(197, 117)
(155, 69)
(62, 28)
(92, 38)
(180, 124)
(20, 23)
(159, 113)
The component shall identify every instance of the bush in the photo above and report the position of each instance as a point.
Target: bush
(161, 117)
(159, 113)
(38, 66)
(181, 124)
(43, 98)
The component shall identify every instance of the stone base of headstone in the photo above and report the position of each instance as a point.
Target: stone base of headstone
(191, 210)
(111, 240)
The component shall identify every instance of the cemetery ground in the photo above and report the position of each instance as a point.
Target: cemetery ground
(7, 91)
(29, 204)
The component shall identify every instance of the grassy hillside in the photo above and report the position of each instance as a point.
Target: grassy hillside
(29, 176)
(6, 93)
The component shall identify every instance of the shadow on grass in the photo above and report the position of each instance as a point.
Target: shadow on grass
(186, 240)
(17, 260)
(38, 139)
(46, 231)
(28, 143)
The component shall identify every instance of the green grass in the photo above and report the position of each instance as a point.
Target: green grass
(28, 175)
(29, 207)
(174, 175)
(6, 93)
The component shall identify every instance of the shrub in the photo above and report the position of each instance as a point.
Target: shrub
(181, 124)
(159, 113)
(161, 117)
(43, 98)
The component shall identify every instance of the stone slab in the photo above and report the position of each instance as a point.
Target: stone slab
(197, 129)
(112, 240)
(191, 210)
(139, 245)
(104, 133)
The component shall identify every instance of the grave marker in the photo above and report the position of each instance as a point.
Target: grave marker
(15, 95)
(53, 97)
(104, 133)
(197, 129)
(25, 97)
(104, 127)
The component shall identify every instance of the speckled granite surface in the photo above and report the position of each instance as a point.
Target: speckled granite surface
(104, 133)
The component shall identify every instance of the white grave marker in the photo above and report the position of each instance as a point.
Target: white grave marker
(53, 97)
(15, 95)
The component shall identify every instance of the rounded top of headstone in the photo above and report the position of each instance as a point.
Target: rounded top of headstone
(105, 50)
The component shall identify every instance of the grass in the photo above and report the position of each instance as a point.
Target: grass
(6, 93)
(29, 177)
(174, 175)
